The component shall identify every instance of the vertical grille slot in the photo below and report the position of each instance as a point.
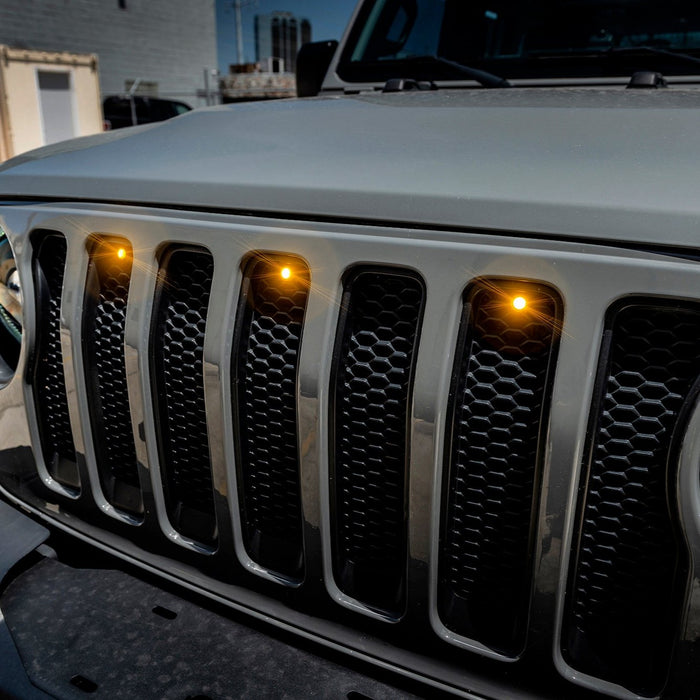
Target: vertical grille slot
(264, 370)
(179, 324)
(627, 580)
(104, 322)
(498, 415)
(49, 384)
(371, 389)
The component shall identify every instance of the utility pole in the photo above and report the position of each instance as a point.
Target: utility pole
(237, 5)
(239, 31)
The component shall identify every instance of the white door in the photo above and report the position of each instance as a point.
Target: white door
(56, 99)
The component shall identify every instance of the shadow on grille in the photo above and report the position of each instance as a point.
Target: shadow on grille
(371, 389)
(49, 382)
(627, 580)
(10, 311)
(499, 404)
(180, 317)
(264, 372)
(104, 322)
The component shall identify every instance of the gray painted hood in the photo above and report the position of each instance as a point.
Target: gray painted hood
(601, 163)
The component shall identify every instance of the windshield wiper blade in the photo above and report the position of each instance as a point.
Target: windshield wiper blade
(678, 55)
(611, 51)
(484, 78)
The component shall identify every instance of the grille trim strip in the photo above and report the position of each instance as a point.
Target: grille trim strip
(215, 357)
(73, 290)
(438, 338)
(137, 363)
(579, 348)
(322, 311)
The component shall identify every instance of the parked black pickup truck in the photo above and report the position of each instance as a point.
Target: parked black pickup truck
(129, 110)
(387, 391)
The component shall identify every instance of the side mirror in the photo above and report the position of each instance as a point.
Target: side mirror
(312, 65)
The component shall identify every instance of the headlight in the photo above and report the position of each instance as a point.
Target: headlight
(10, 310)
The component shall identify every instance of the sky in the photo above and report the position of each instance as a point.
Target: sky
(328, 19)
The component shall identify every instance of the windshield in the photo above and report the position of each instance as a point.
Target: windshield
(522, 38)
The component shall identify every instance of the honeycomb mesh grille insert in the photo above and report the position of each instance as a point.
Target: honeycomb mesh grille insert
(180, 318)
(626, 592)
(104, 324)
(373, 374)
(499, 405)
(49, 384)
(264, 371)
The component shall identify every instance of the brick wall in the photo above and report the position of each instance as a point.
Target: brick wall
(169, 42)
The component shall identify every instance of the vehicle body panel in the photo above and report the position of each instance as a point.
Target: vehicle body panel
(482, 159)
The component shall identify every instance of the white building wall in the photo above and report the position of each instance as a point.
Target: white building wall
(23, 123)
(168, 42)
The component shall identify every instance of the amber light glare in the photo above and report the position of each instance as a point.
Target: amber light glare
(121, 253)
(286, 273)
(519, 303)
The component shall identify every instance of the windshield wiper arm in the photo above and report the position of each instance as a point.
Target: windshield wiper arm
(488, 80)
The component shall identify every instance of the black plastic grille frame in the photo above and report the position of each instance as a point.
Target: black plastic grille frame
(104, 325)
(628, 573)
(499, 403)
(49, 386)
(264, 389)
(177, 340)
(372, 382)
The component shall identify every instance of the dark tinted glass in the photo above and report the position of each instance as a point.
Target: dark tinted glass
(522, 38)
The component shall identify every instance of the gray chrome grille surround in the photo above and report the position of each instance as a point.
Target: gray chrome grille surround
(448, 263)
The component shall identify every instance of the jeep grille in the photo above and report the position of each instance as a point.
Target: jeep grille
(369, 443)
